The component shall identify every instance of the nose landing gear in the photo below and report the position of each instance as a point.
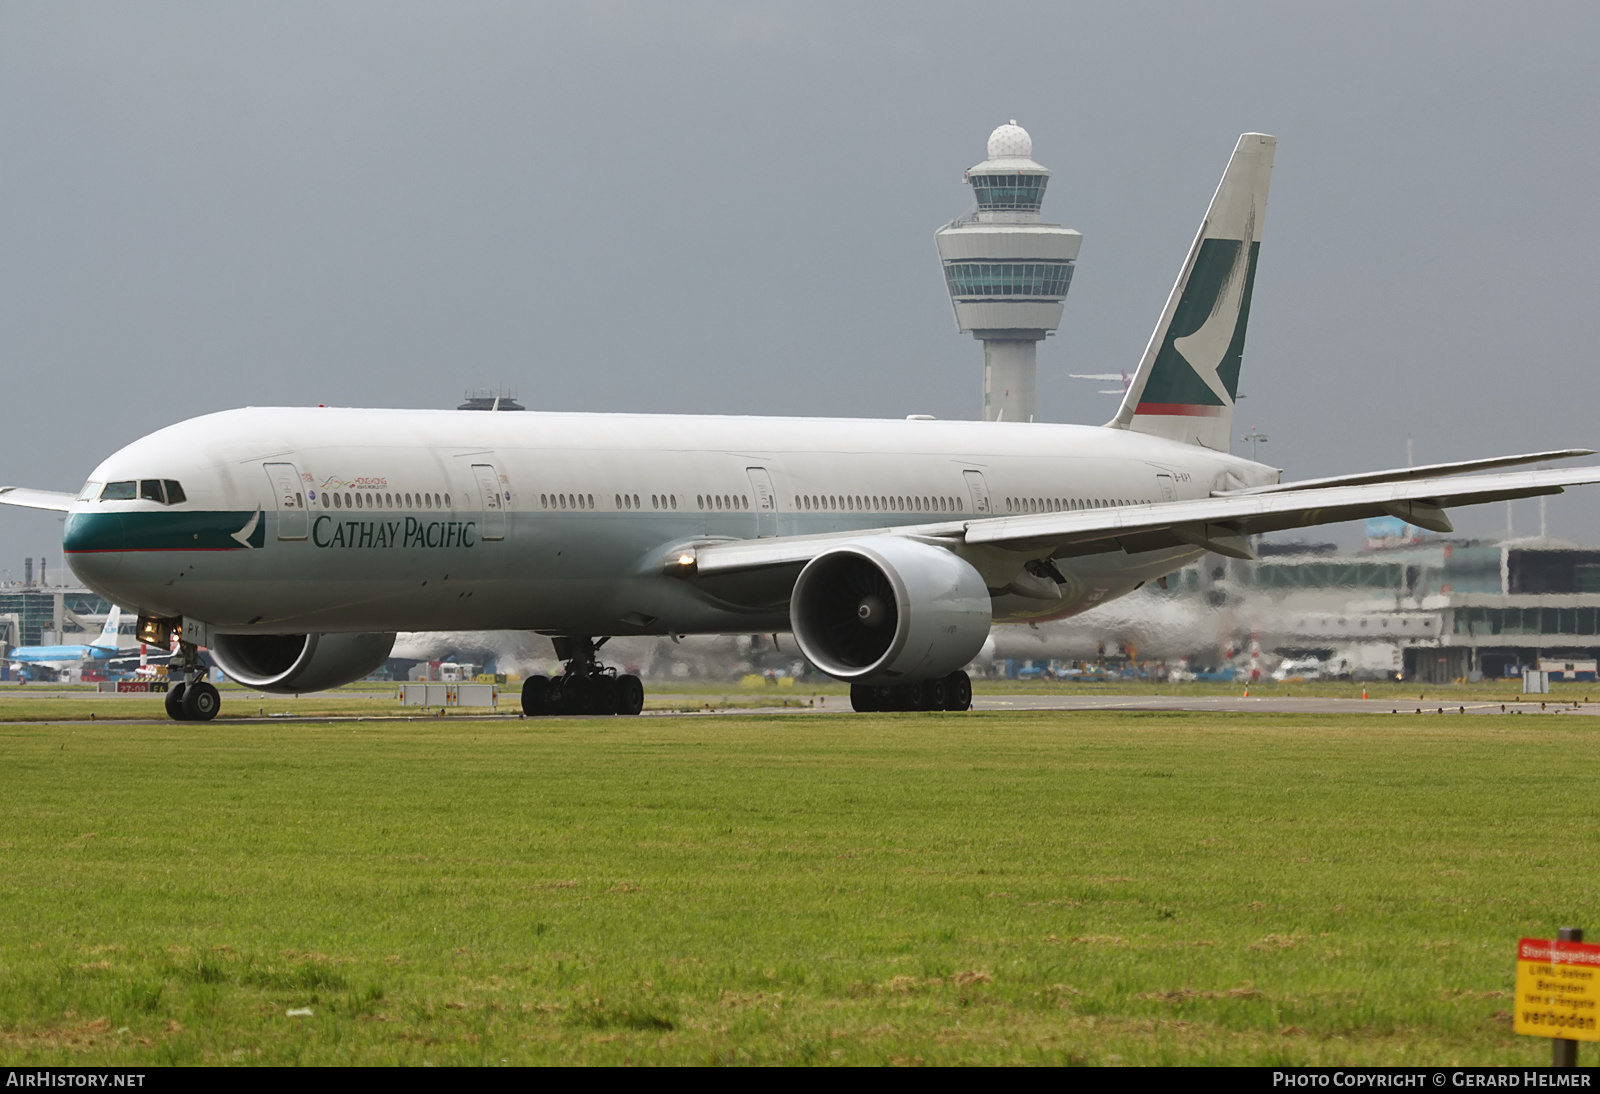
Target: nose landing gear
(584, 687)
(190, 698)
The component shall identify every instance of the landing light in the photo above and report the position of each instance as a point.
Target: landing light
(156, 631)
(684, 565)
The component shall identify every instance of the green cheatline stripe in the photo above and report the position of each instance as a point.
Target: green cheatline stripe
(172, 531)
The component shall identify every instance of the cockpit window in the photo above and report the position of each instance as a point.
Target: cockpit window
(90, 491)
(162, 491)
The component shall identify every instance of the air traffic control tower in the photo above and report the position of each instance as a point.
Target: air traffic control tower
(1007, 271)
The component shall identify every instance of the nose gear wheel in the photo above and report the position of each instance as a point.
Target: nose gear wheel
(189, 697)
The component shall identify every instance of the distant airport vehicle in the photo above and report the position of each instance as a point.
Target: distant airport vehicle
(101, 651)
(1305, 668)
(293, 543)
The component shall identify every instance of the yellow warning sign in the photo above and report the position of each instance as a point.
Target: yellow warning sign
(1558, 989)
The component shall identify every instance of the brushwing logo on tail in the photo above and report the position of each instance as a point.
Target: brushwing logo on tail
(1197, 368)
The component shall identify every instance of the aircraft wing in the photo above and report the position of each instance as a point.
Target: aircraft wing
(36, 499)
(154, 658)
(1400, 474)
(1220, 524)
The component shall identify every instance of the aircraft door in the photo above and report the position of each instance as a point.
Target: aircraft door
(1169, 489)
(289, 497)
(766, 500)
(496, 498)
(980, 493)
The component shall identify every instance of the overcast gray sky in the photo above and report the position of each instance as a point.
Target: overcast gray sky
(730, 207)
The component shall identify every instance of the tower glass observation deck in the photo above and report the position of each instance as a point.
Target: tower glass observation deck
(1007, 271)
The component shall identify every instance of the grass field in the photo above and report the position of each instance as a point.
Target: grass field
(987, 888)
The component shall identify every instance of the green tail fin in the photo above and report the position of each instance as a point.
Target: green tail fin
(1188, 379)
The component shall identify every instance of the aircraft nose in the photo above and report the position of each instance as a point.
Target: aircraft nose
(94, 545)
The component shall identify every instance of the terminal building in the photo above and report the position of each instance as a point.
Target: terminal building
(1449, 609)
(1421, 608)
(1007, 271)
(35, 614)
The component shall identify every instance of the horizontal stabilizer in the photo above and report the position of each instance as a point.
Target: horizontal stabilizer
(35, 499)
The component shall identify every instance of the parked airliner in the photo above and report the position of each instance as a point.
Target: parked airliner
(61, 658)
(294, 542)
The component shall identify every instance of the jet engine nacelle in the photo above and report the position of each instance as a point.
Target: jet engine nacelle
(889, 611)
(299, 663)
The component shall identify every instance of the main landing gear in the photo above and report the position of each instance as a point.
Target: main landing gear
(189, 697)
(584, 687)
(953, 692)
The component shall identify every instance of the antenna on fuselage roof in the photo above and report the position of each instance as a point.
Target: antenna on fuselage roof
(491, 399)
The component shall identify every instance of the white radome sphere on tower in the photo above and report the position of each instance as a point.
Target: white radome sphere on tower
(1010, 141)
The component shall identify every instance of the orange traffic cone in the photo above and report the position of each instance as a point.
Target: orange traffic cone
(1363, 693)
(1247, 693)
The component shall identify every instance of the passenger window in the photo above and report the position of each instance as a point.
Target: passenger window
(673, 498)
(325, 501)
(119, 491)
(150, 490)
(175, 495)
(636, 504)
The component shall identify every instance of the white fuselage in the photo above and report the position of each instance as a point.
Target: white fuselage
(433, 520)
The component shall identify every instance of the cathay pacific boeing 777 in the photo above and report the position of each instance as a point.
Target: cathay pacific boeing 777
(293, 543)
